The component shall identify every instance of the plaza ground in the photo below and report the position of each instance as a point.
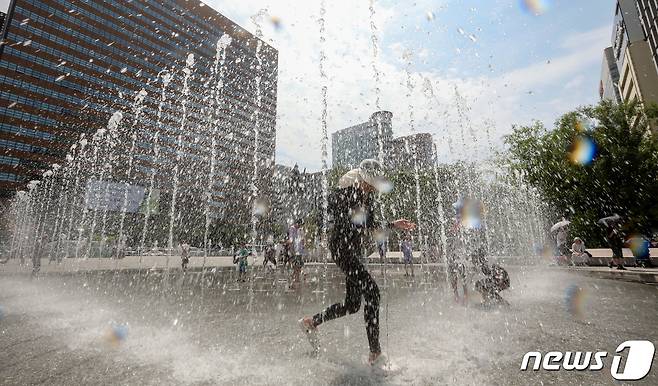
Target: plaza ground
(209, 329)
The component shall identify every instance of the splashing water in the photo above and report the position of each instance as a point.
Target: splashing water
(165, 77)
(179, 150)
(324, 146)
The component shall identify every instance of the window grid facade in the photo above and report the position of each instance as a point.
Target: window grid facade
(648, 11)
(68, 65)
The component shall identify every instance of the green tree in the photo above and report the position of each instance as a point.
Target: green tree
(622, 176)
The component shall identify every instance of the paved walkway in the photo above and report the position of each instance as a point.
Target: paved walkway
(640, 275)
(158, 263)
(13, 266)
(127, 263)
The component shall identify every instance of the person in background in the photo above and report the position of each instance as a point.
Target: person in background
(269, 256)
(562, 248)
(240, 259)
(122, 245)
(284, 252)
(467, 240)
(407, 254)
(579, 254)
(382, 246)
(184, 255)
(297, 241)
(616, 242)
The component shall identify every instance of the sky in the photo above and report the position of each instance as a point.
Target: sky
(4, 5)
(464, 71)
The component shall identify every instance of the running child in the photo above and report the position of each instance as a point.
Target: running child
(352, 211)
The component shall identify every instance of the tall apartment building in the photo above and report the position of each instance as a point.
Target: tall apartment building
(352, 145)
(648, 11)
(638, 77)
(192, 87)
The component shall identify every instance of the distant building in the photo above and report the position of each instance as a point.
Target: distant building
(638, 79)
(411, 151)
(356, 143)
(297, 195)
(609, 88)
(352, 145)
(2, 19)
(648, 11)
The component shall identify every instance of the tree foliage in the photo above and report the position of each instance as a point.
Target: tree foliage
(621, 178)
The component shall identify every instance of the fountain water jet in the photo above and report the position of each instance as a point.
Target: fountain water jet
(166, 77)
(255, 117)
(217, 75)
(323, 147)
(187, 71)
(138, 107)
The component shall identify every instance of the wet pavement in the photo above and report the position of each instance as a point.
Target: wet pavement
(154, 327)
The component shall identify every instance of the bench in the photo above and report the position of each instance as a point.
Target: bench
(602, 256)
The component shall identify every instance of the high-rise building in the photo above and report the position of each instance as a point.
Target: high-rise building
(638, 78)
(352, 145)
(197, 94)
(411, 151)
(648, 11)
(609, 86)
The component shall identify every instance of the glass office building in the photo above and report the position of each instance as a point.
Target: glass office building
(191, 87)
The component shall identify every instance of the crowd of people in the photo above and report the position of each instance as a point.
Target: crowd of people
(577, 254)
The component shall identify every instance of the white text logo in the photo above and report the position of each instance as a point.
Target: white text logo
(638, 360)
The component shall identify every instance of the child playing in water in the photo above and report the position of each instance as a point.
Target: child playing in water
(240, 258)
(407, 254)
(184, 255)
(297, 237)
(496, 280)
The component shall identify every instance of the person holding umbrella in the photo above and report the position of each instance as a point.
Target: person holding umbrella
(561, 240)
(615, 239)
(352, 214)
